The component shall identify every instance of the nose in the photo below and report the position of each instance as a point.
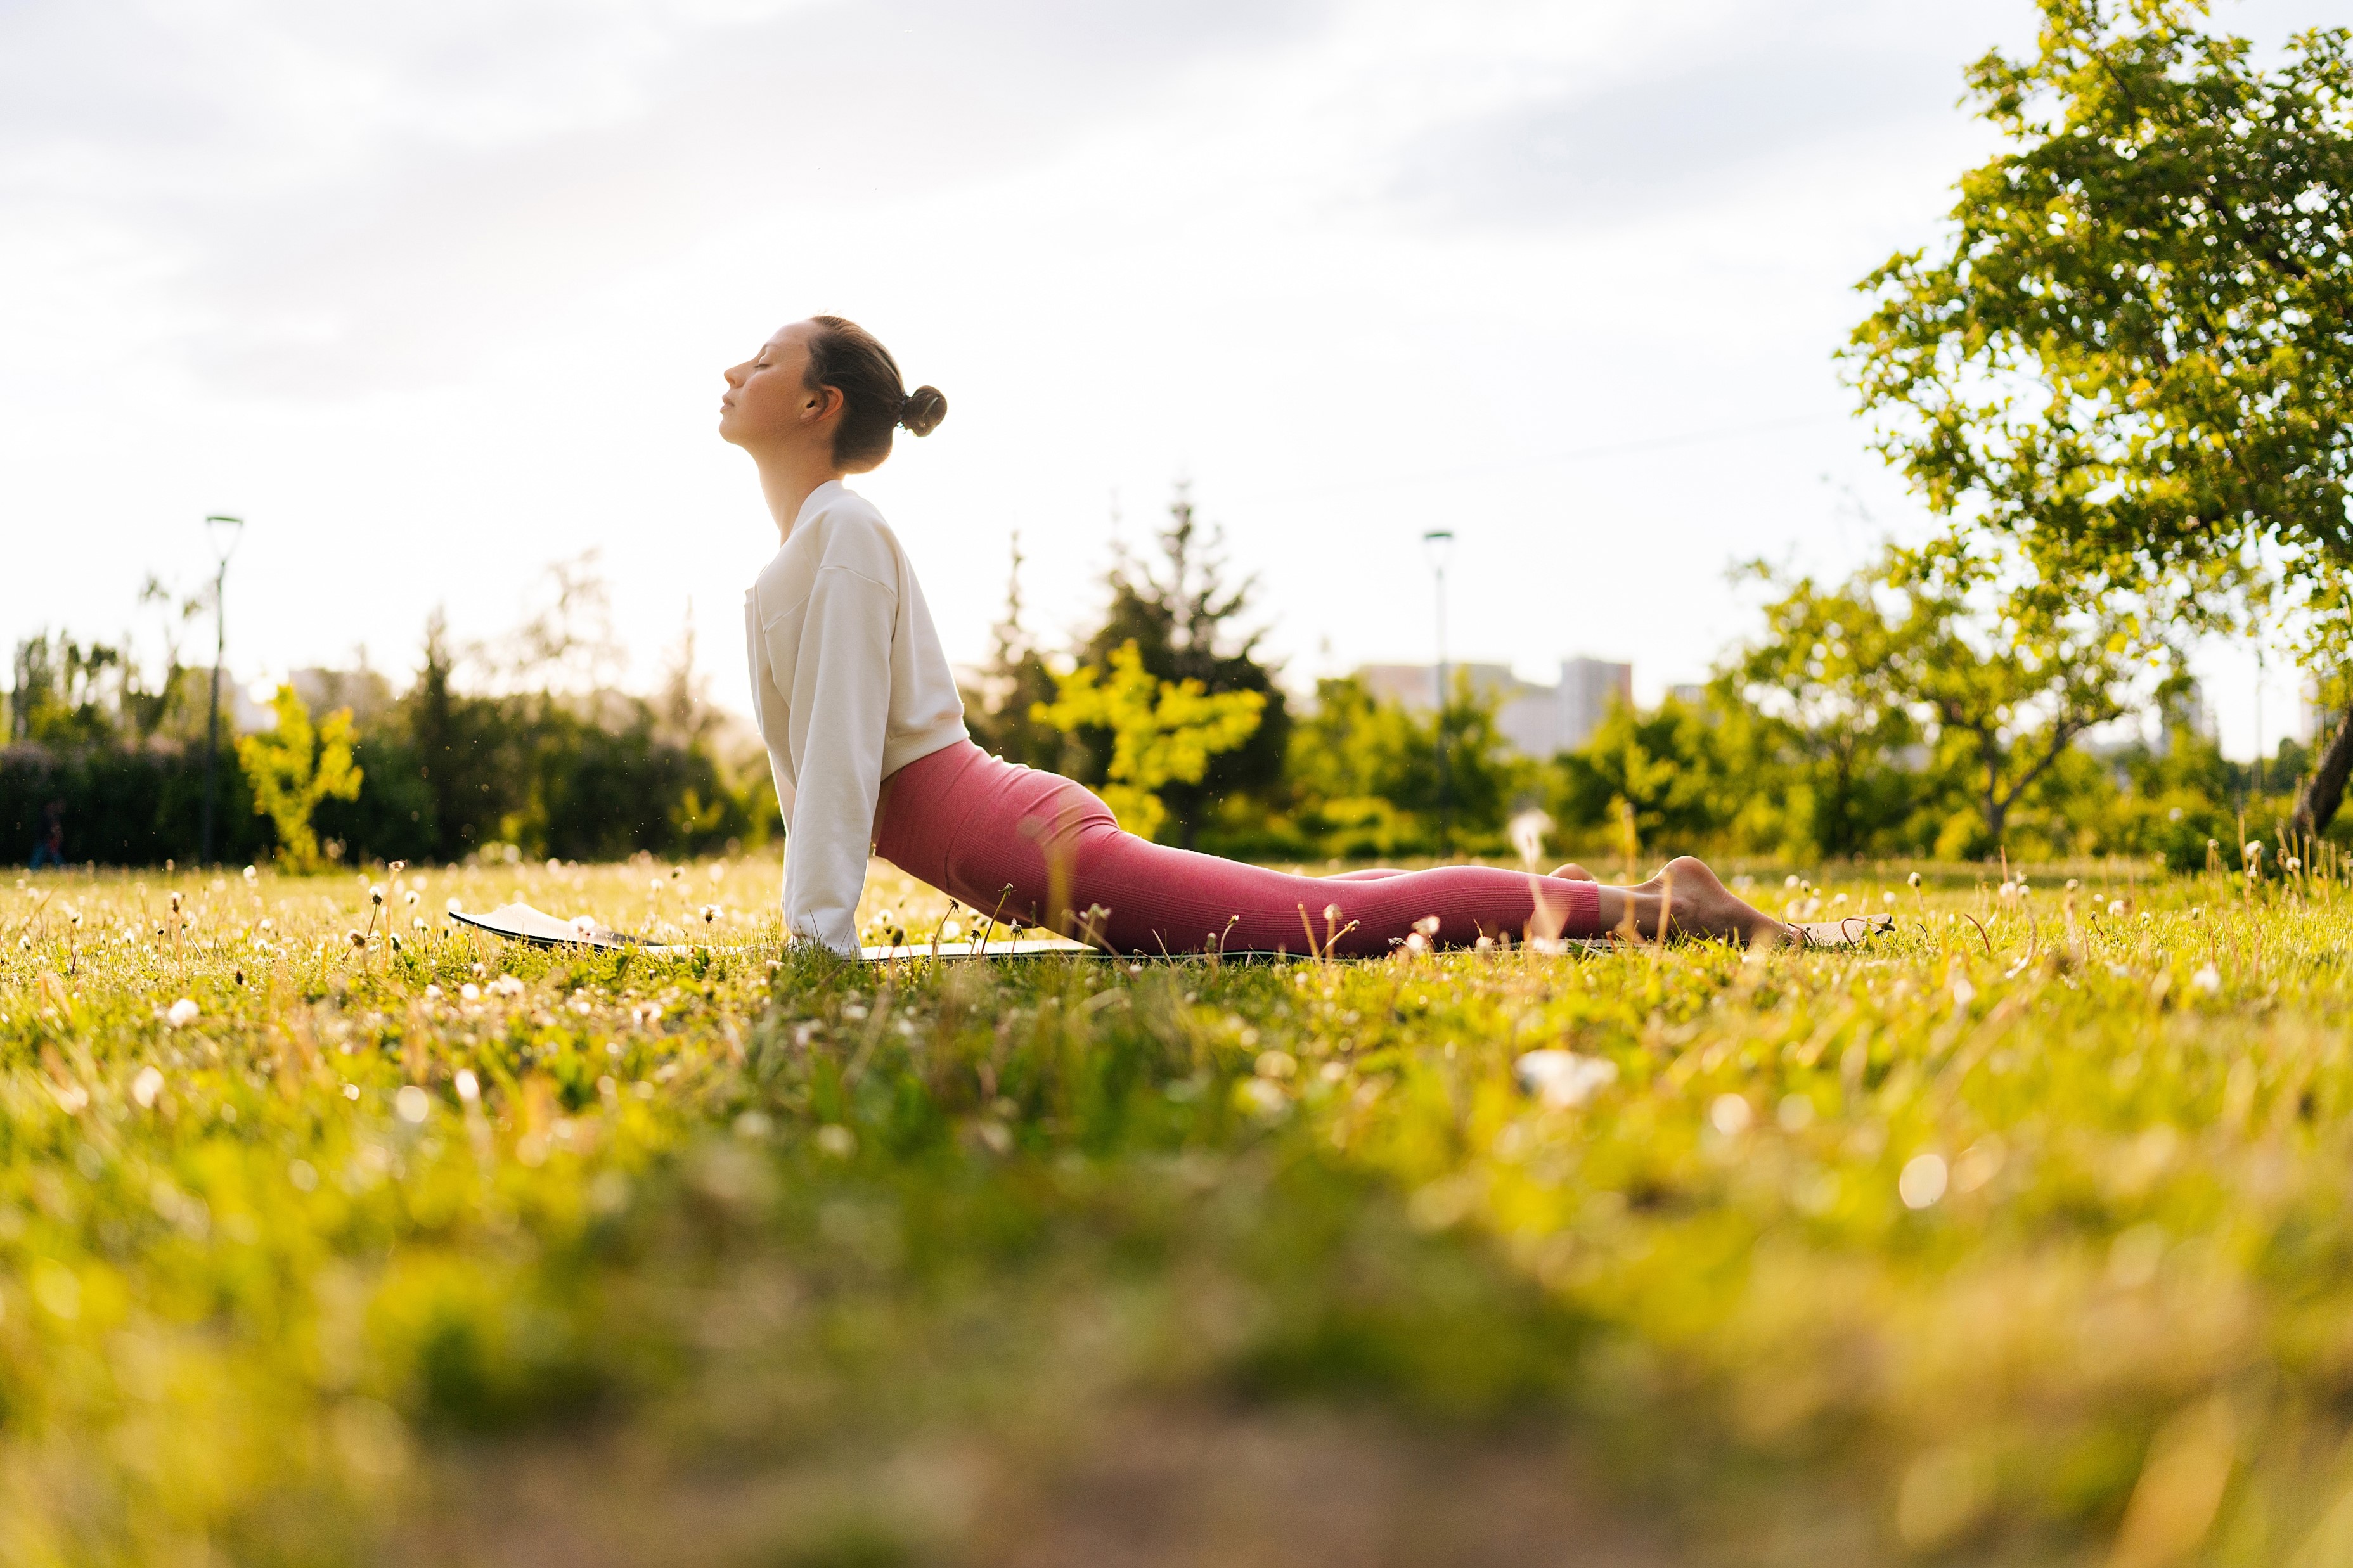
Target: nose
(734, 375)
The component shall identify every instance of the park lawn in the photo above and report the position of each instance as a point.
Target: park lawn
(2025, 1235)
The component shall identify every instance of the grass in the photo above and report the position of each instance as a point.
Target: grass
(2022, 1236)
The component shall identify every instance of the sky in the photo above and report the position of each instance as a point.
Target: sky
(438, 294)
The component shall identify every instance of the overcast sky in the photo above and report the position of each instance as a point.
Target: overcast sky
(437, 293)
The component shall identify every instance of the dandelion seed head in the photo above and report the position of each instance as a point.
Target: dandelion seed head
(181, 1013)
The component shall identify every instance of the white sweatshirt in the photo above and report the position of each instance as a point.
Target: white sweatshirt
(848, 686)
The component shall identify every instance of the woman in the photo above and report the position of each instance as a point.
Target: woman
(865, 733)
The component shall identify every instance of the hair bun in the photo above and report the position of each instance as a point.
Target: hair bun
(923, 410)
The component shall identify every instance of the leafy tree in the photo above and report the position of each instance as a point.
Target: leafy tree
(2133, 352)
(1673, 765)
(1832, 697)
(58, 699)
(1185, 616)
(145, 710)
(1001, 709)
(1364, 780)
(1162, 731)
(455, 738)
(292, 770)
(2014, 686)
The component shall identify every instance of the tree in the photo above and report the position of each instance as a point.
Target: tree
(146, 709)
(58, 699)
(1000, 708)
(1185, 618)
(2133, 352)
(291, 769)
(1829, 684)
(1668, 765)
(1364, 771)
(1162, 731)
(2012, 686)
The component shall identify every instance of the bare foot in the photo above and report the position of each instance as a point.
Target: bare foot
(1698, 904)
(1573, 872)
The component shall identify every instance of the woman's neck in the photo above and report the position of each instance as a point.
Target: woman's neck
(787, 479)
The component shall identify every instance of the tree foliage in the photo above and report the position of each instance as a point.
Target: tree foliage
(1162, 732)
(1828, 683)
(291, 769)
(1364, 773)
(1187, 619)
(2133, 353)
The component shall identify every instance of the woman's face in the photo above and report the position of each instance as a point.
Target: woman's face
(767, 404)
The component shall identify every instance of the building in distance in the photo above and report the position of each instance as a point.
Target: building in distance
(1539, 721)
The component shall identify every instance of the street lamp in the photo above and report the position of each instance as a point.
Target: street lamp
(1438, 544)
(223, 532)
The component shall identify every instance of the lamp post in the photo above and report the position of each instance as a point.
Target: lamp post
(223, 532)
(1438, 544)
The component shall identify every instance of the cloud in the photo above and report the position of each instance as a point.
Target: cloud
(348, 200)
(1683, 131)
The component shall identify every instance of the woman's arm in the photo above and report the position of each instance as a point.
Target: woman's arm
(841, 711)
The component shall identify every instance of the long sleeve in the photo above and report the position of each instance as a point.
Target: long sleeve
(840, 705)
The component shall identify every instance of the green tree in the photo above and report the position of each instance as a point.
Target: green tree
(1364, 773)
(1832, 693)
(458, 742)
(2013, 681)
(291, 769)
(2133, 352)
(1672, 766)
(1162, 731)
(1001, 707)
(1185, 616)
(58, 699)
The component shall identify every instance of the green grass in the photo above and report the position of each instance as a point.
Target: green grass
(2032, 1243)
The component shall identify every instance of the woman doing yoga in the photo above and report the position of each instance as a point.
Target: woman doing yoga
(865, 733)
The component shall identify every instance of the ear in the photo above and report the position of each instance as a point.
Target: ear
(819, 402)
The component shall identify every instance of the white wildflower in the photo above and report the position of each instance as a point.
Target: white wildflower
(1562, 1078)
(1923, 1181)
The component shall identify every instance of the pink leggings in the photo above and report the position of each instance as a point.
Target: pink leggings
(1038, 848)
